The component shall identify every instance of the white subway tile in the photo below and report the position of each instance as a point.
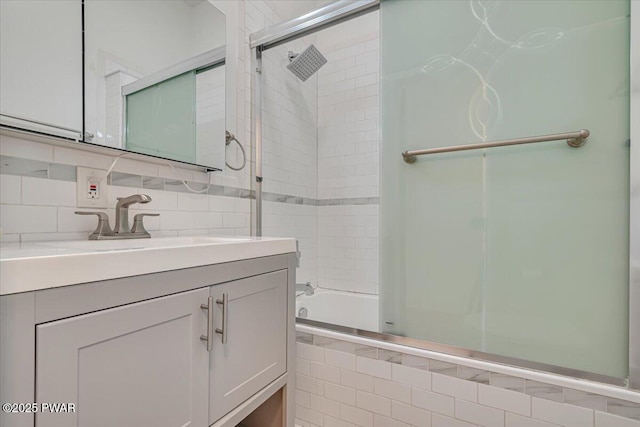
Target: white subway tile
(164, 233)
(24, 148)
(48, 237)
(193, 202)
(235, 220)
(373, 367)
(27, 219)
(478, 414)
(411, 376)
(172, 220)
(68, 221)
(562, 413)
(193, 232)
(392, 390)
(136, 167)
(340, 359)
(411, 415)
(11, 238)
(432, 401)
(356, 380)
(72, 156)
(382, 421)
(309, 384)
(438, 420)
(609, 420)
(455, 387)
(208, 219)
(330, 421)
(302, 366)
(356, 415)
(310, 352)
(326, 406)
(222, 204)
(10, 189)
(324, 372)
(340, 393)
(515, 420)
(160, 200)
(151, 223)
(48, 192)
(504, 399)
(309, 415)
(373, 403)
(302, 398)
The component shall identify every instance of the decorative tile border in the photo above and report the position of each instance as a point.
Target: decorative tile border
(38, 169)
(537, 389)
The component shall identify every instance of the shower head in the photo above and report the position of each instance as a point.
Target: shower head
(305, 64)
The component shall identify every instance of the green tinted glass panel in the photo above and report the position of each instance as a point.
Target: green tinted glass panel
(161, 119)
(519, 251)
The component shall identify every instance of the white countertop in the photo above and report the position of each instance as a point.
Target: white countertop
(32, 266)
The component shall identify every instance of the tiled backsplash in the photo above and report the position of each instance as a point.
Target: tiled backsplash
(343, 383)
(28, 184)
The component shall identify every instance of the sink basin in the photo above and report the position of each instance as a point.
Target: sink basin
(136, 244)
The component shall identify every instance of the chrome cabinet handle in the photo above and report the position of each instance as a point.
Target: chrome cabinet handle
(209, 337)
(225, 317)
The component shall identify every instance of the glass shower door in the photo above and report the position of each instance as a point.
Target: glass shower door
(517, 251)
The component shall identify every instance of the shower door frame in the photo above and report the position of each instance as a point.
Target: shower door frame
(344, 10)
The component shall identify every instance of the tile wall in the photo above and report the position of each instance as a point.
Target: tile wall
(348, 142)
(346, 384)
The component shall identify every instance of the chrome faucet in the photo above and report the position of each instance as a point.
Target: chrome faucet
(122, 211)
(305, 287)
(122, 229)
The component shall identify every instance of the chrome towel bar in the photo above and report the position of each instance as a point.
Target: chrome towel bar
(574, 139)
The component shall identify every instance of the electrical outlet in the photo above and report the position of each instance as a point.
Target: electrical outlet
(91, 188)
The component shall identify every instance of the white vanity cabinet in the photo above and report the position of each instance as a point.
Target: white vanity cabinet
(254, 353)
(41, 67)
(137, 365)
(148, 350)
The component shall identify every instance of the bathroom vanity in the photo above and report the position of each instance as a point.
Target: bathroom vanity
(193, 331)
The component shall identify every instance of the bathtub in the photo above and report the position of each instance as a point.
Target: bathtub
(340, 308)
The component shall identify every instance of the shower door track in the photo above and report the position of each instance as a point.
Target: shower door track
(467, 353)
(344, 10)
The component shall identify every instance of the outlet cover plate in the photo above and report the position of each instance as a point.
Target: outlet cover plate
(97, 177)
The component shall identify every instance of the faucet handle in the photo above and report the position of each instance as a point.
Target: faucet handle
(103, 228)
(138, 225)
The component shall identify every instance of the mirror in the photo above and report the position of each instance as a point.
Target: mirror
(154, 78)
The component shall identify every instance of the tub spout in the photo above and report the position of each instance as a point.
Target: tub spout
(305, 287)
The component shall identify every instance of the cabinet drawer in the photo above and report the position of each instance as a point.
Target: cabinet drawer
(255, 351)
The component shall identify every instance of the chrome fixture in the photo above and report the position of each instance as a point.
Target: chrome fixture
(303, 313)
(305, 287)
(121, 229)
(228, 137)
(574, 139)
(209, 337)
(307, 63)
(122, 211)
(311, 22)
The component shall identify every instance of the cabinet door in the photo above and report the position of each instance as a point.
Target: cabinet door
(256, 331)
(137, 365)
(41, 66)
